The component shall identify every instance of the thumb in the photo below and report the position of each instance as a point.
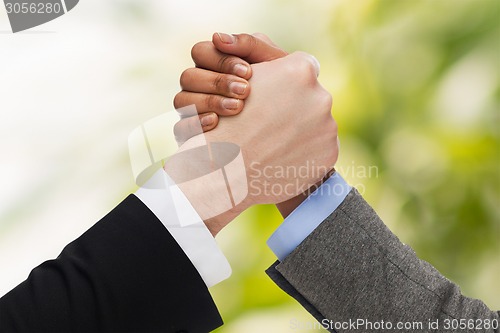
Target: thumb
(265, 38)
(251, 48)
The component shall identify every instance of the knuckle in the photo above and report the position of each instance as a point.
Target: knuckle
(308, 69)
(211, 101)
(220, 82)
(252, 41)
(186, 128)
(329, 127)
(305, 66)
(323, 100)
(333, 128)
(225, 64)
(246, 39)
(326, 100)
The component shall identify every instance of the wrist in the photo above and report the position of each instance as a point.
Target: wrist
(217, 223)
(213, 179)
(287, 207)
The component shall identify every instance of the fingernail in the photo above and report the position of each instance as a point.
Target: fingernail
(230, 103)
(225, 38)
(240, 70)
(238, 88)
(208, 120)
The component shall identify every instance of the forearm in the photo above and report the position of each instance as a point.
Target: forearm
(353, 267)
(126, 273)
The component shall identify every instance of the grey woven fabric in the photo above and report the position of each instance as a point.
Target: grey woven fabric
(354, 275)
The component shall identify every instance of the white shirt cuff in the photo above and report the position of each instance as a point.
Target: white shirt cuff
(172, 208)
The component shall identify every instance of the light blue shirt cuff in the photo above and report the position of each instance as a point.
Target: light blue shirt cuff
(308, 216)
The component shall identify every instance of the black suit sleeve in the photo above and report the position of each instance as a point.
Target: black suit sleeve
(125, 274)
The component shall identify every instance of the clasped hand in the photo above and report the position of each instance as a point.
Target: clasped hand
(253, 95)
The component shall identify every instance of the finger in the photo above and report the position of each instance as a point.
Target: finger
(206, 56)
(186, 128)
(223, 106)
(250, 48)
(199, 80)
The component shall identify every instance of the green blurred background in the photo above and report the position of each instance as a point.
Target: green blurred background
(416, 89)
(416, 92)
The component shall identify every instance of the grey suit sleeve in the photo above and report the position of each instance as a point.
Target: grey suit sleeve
(353, 269)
